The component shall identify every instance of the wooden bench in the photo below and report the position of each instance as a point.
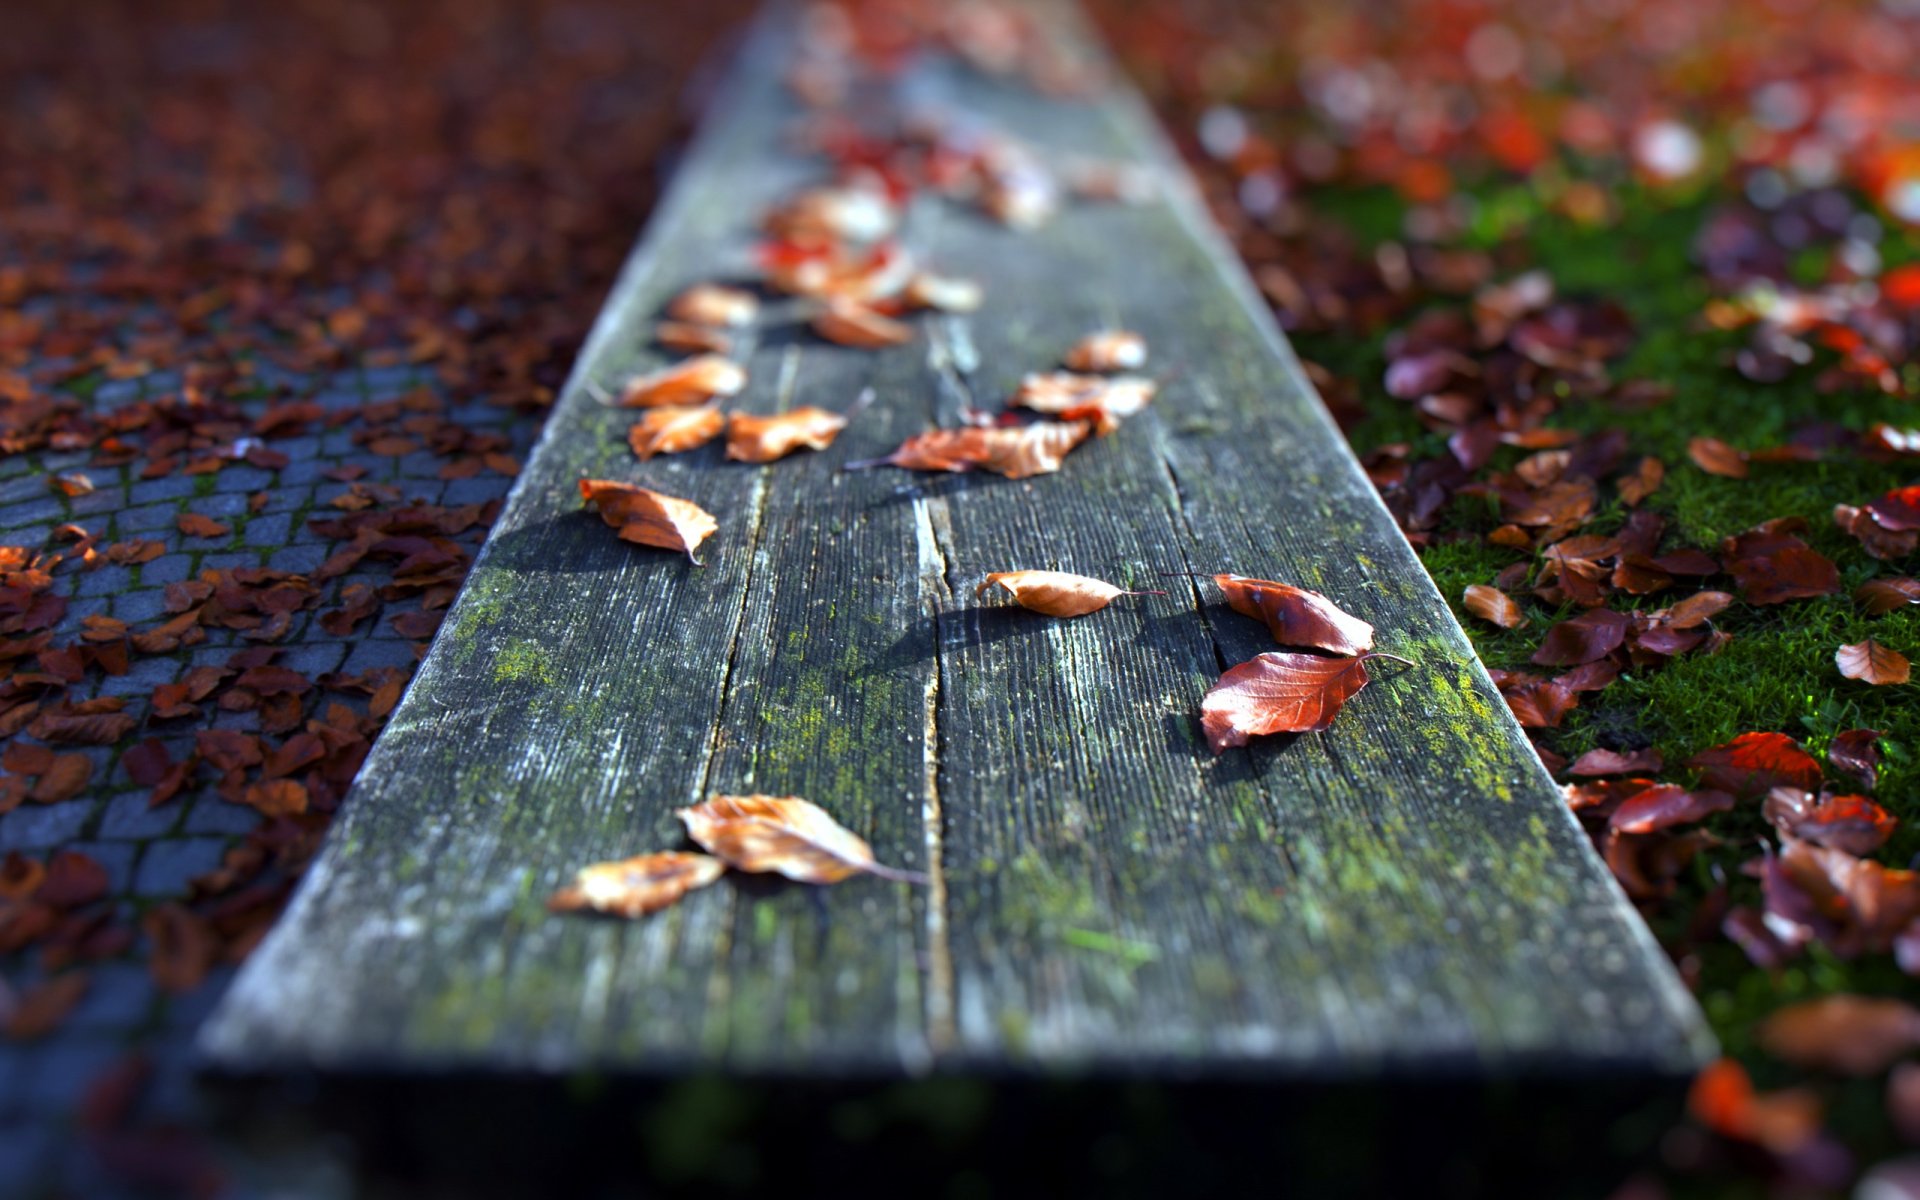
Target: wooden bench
(1404, 892)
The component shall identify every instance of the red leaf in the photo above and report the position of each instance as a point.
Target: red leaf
(1755, 763)
(1773, 566)
(1587, 637)
(1665, 805)
(1871, 662)
(1898, 510)
(1279, 693)
(1856, 754)
(1853, 824)
(1882, 596)
(1296, 616)
(1613, 762)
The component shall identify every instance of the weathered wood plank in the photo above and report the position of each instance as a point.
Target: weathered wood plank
(1405, 890)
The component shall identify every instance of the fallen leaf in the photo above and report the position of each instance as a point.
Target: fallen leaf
(1898, 510)
(1493, 605)
(1697, 609)
(1108, 350)
(1755, 763)
(1844, 1034)
(1643, 482)
(64, 778)
(198, 525)
(692, 339)
(41, 1008)
(650, 518)
(942, 293)
(1279, 693)
(1882, 596)
(1715, 457)
(1871, 662)
(764, 439)
(1537, 703)
(1060, 392)
(1612, 762)
(1774, 566)
(70, 485)
(850, 323)
(1853, 824)
(1296, 616)
(1665, 805)
(784, 835)
(672, 430)
(695, 381)
(1724, 1100)
(714, 304)
(1856, 753)
(634, 887)
(184, 947)
(1583, 639)
(1057, 593)
(1036, 449)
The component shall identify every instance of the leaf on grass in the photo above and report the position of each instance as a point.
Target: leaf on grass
(1755, 763)
(1774, 566)
(784, 835)
(1871, 662)
(714, 304)
(201, 526)
(1537, 703)
(850, 323)
(1296, 616)
(648, 517)
(1493, 605)
(695, 381)
(1715, 457)
(673, 430)
(1057, 593)
(1898, 510)
(634, 887)
(1612, 762)
(1724, 1100)
(1279, 693)
(1586, 638)
(1853, 824)
(1881, 596)
(1036, 449)
(1644, 481)
(764, 439)
(1108, 350)
(1665, 805)
(1856, 754)
(1697, 609)
(1844, 1034)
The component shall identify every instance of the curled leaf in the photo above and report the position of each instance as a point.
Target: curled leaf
(1881, 596)
(650, 518)
(942, 293)
(1057, 593)
(1871, 662)
(693, 339)
(634, 887)
(784, 835)
(1036, 449)
(1493, 605)
(714, 305)
(1279, 693)
(1856, 753)
(1108, 350)
(853, 324)
(764, 439)
(1060, 392)
(1296, 616)
(674, 430)
(695, 381)
(1697, 609)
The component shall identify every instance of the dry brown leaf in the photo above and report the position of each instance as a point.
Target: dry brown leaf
(1492, 604)
(784, 835)
(1715, 457)
(1108, 350)
(1643, 482)
(853, 324)
(184, 947)
(764, 439)
(197, 525)
(64, 778)
(695, 381)
(1058, 392)
(674, 430)
(1036, 449)
(41, 1008)
(1296, 616)
(693, 339)
(1871, 662)
(1697, 609)
(1279, 693)
(1056, 593)
(1850, 1035)
(634, 887)
(650, 518)
(714, 305)
(942, 293)
(1881, 596)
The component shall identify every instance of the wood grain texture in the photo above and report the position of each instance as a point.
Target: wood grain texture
(1405, 892)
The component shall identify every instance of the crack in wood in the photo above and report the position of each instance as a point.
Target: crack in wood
(936, 591)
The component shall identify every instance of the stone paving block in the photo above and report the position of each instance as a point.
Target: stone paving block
(137, 607)
(167, 487)
(42, 826)
(31, 486)
(272, 531)
(379, 652)
(478, 490)
(67, 1066)
(119, 999)
(210, 814)
(228, 560)
(26, 1149)
(102, 501)
(220, 505)
(147, 518)
(105, 581)
(28, 512)
(300, 559)
(246, 479)
(130, 816)
(314, 658)
(167, 866)
(171, 568)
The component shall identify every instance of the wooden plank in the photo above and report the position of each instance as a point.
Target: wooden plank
(1405, 891)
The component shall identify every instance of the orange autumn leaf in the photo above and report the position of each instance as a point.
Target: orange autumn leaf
(1108, 350)
(1643, 482)
(942, 293)
(850, 323)
(1059, 392)
(1697, 609)
(764, 439)
(1881, 596)
(1724, 1100)
(197, 525)
(695, 381)
(714, 304)
(1845, 1034)
(1036, 449)
(650, 518)
(1871, 662)
(63, 779)
(1715, 457)
(694, 339)
(1279, 693)
(1491, 604)
(1296, 616)
(784, 835)
(674, 430)
(184, 947)
(1056, 593)
(634, 887)
(71, 485)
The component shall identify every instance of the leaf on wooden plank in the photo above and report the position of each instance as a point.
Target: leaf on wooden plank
(764, 439)
(693, 339)
(634, 887)
(784, 835)
(849, 323)
(674, 430)
(1754, 763)
(1279, 693)
(1856, 754)
(1870, 662)
(714, 305)
(1036, 449)
(1715, 457)
(942, 293)
(1882, 596)
(201, 526)
(1493, 605)
(1057, 593)
(1296, 616)
(1844, 1034)
(648, 517)
(695, 381)
(1058, 392)
(1108, 350)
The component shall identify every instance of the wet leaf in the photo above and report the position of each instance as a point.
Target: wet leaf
(695, 381)
(1493, 605)
(1279, 693)
(764, 439)
(1108, 350)
(1844, 1034)
(1296, 616)
(634, 887)
(1056, 593)
(650, 518)
(1755, 763)
(1036, 449)
(1871, 662)
(674, 430)
(784, 835)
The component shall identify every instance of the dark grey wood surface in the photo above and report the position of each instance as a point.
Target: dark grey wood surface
(1404, 892)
